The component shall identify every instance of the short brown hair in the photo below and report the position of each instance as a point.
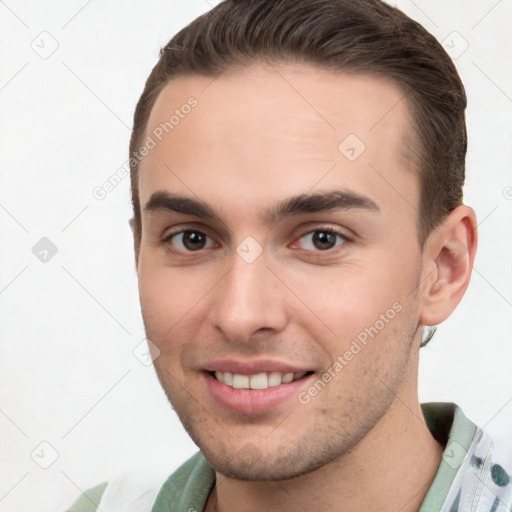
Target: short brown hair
(357, 36)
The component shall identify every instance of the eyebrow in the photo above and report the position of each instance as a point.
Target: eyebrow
(301, 204)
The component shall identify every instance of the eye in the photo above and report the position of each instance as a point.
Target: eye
(322, 240)
(189, 240)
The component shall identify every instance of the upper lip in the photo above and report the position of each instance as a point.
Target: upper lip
(252, 366)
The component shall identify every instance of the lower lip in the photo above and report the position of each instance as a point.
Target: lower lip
(252, 401)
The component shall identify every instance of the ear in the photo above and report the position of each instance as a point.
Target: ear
(131, 222)
(447, 263)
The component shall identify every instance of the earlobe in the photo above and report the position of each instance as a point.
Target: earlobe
(448, 264)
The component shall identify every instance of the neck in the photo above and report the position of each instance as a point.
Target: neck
(390, 469)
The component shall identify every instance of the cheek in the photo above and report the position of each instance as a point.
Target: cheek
(341, 294)
(164, 299)
(353, 301)
(172, 302)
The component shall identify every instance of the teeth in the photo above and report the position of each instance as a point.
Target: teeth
(240, 381)
(257, 381)
(287, 377)
(274, 379)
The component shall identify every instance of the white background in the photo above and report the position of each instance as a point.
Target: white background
(69, 326)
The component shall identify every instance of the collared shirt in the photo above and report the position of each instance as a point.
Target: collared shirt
(469, 478)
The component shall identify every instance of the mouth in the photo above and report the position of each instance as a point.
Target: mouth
(257, 381)
(257, 392)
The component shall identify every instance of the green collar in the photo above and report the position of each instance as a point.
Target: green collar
(455, 432)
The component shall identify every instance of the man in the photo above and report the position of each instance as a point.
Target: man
(297, 171)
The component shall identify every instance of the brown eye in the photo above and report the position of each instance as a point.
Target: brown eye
(322, 240)
(188, 241)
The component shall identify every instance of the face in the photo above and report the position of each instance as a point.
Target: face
(279, 253)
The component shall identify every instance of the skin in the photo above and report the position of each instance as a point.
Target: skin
(258, 136)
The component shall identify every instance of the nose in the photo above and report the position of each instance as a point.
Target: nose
(248, 300)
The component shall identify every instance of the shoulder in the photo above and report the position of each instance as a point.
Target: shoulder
(89, 500)
(189, 486)
(140, 492)
(473, 472)
(134, 491)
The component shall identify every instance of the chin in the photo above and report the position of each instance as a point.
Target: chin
(248, 464)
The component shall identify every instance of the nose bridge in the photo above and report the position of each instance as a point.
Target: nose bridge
(247, 299)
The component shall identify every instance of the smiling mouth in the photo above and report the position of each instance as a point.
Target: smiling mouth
(257, 381)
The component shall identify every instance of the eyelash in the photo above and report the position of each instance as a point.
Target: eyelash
(324, 229)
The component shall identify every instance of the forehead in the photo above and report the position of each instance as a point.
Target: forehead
(264, 132)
